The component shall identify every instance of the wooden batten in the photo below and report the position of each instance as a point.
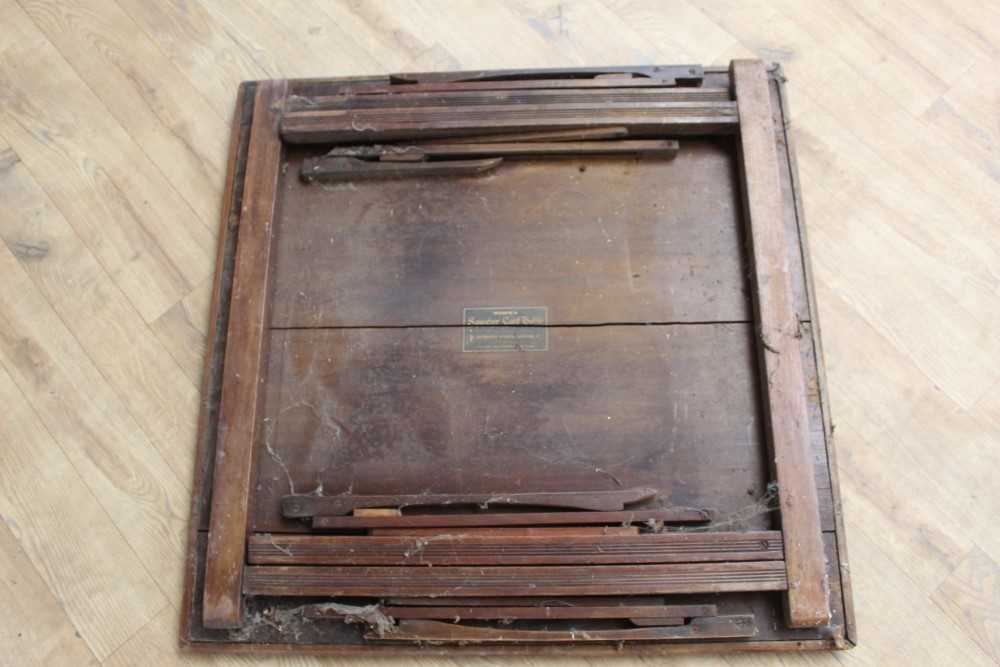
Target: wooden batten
(678, 547)
(626, 517)
(239, 414)
(391, 124)
(783, 385)
(328, 580)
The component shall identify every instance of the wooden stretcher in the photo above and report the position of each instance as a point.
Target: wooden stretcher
(515, 362)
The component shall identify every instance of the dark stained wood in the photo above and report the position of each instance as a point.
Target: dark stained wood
(347, 639)
(336, 169)
(607, 500)
(784, 391)
(626, 517)
(246, 345)
(675, 547)
(387, 411)
(654, 613)
(329, 580)
(407, 253)
(718, 627)
(211, 388)
(390, 124)
(493, 530)
(594, 134)
(464, 98)
(691, 74)
(385, 88)
(514, 601)
(420, 150)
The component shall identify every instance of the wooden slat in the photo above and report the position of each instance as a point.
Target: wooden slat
(298, 581)
(676, 547)
(679, 515)
(243, 366)
(367, 125)
(605, 500)
(546, 530)
(529, 601)
(658, 613)
(336, 169)
(717, 627)
(540, 84)
(464, 98)
(685, 73)
(783, 388)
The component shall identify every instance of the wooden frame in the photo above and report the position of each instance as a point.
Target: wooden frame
(778, 332)
(230, 428)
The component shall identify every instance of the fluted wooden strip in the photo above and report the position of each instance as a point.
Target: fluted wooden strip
(516, 581)
(677, 547)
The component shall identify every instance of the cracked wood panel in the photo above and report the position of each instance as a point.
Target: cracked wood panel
(663, 243)
(399, 410)
(406, 410)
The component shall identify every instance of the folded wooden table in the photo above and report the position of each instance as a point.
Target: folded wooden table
(515, 362)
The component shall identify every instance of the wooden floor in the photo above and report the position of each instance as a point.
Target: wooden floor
(113, 130)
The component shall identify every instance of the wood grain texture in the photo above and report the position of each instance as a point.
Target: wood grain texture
(719, 627)
(451, 521)
(784, 392)
(901, 197)
(541, 530)
(652, 612)
(392, 410)
(243, 374)
(675, 547)
(608, 500)
(368, 243)
(356, 125)
(477, 98)
(970, 596)
(515, 580)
